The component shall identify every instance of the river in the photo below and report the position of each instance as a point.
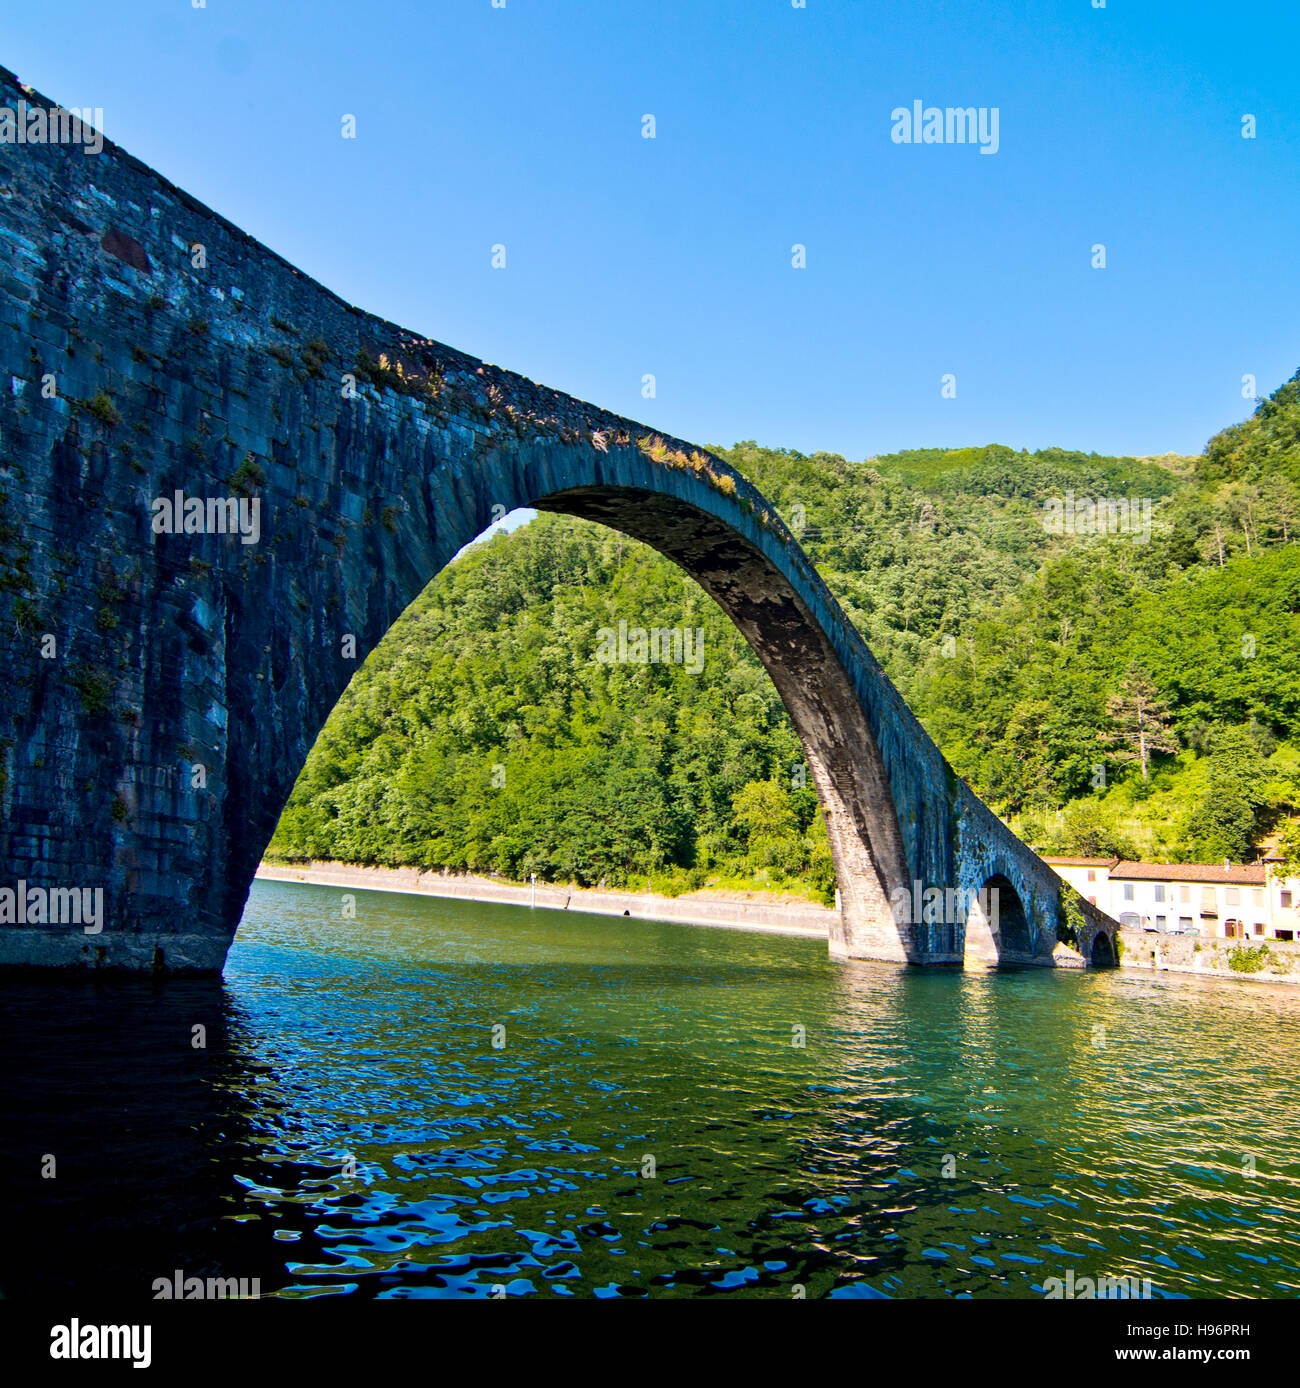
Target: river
(454, 1099)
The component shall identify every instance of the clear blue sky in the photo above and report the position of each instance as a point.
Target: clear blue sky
(672, 256)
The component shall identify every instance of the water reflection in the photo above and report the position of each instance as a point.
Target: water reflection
(671, 1111)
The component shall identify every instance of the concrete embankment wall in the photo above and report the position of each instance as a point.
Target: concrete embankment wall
(1207, 956)
(795, 918)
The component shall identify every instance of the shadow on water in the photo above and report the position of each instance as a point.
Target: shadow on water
(120, 1136)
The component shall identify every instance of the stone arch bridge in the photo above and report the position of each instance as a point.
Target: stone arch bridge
(164, 684)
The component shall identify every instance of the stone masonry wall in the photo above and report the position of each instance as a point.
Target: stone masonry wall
(1207, 955)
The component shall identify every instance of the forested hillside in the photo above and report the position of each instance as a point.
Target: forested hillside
(1104, 694)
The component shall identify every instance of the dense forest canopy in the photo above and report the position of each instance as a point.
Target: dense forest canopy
(1135, 693)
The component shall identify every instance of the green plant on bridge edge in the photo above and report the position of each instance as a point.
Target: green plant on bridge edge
(1070, 918)
(101, 406)
(247, 476)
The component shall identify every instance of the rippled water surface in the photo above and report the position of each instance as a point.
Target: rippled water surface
(648, 1126)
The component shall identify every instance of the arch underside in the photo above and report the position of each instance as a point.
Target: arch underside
(842, 753)
(999, 931)
(1102, 953)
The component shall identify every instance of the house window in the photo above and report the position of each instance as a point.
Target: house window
(1092, 874)
(1208, 897)
(1231, 896)
(1259, 927)
(1285, 902)
(1160, 891)
(1185, 922)
(1128, 891)
(1160, 922)
(1185, 895)
(1259, 896)
(1284, 934)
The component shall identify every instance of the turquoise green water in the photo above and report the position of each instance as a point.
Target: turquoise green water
(648, 1126)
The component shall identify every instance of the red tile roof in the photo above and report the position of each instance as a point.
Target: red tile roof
(1082, 862)
(1253, 875)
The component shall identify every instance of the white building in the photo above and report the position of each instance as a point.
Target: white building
(1090, 877)
(1229, 900)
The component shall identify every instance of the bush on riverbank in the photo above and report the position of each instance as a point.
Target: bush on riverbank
(1248, 960)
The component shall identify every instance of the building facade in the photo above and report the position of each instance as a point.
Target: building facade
(1231, 901)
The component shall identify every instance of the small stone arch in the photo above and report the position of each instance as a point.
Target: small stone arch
(998, 927)
(1102, 953)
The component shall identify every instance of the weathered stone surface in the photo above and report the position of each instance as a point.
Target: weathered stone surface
(1066, 958)
(150, 752)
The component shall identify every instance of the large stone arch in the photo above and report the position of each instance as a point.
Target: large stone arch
(150, 754)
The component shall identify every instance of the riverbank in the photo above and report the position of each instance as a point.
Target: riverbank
(1209, 956)
(761, 911)
(750, 911)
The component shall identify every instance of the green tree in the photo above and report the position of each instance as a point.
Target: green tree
(1139, 721)
(762, 810)
(1226, 823)
(1087, 831)
(1288, 847)
(766, 822)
